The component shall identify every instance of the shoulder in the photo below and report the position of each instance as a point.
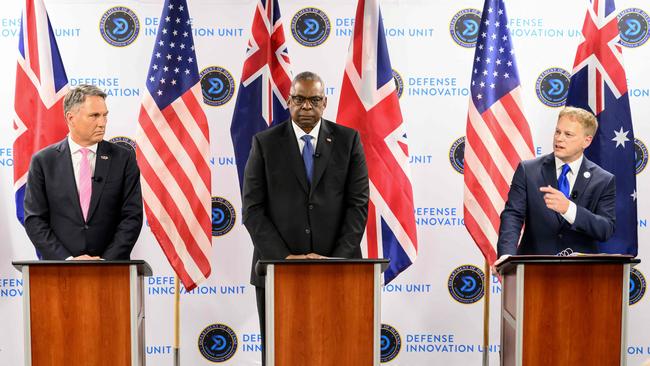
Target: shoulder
(538, 162)
(115, 150)
(597, 171)
(274, 132)
(338, 129)
(51, 151)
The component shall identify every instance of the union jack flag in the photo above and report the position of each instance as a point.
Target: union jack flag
(265, 82)
(369, 104)
(41, 84)
(599, 85)
(497, 136)
(173, 149)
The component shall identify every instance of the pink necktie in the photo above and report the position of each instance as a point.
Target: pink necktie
(85, 183)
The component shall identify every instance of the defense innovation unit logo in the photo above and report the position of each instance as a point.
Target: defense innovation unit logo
(399, 83)
(466, 284)
(217, 343)
(457, 155)
(223, 216)
(552, 86)
(123, 141)
(637, 286)
(119, 26)
(310, 27)
(640, 155)
(464, 27)
(217, 85)
(633, 27)
(390, 343)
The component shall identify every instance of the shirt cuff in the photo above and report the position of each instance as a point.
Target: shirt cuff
(570, 214)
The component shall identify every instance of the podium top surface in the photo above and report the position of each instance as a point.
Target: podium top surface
(260, 266)
(512, 261)
(143, 267)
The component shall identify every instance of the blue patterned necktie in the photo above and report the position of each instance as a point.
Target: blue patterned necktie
(308, 156)
(562, 181)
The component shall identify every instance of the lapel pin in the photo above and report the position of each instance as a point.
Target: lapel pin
(104, 157)
(586, 175)
(328, 139)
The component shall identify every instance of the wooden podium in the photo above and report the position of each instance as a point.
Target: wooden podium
(322, 312)
(84, 312)
(565, 310)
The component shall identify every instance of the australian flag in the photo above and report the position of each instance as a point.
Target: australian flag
(599, 85)
(265, 82)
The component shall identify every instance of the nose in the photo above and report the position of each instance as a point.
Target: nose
(307, 105)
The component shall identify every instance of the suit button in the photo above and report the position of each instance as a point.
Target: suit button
(85, 227)
(559, 236)
(307, 231)
(311, 207)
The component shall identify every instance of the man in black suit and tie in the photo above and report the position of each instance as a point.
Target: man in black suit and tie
(562, 199)
(83, 198)
(305, 193)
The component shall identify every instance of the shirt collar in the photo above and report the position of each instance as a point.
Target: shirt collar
(574, 165)
(74, 147)
(300, 133)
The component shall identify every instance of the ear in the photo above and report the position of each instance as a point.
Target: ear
(587, 142)
(324, 102)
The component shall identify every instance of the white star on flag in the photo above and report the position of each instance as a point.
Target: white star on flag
(621, 137)
(633, 195)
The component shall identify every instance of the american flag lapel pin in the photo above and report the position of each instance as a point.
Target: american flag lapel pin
(103, 157)
(328, 139)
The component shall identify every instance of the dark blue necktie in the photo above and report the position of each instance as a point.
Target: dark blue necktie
(308, 156)
(562, 181)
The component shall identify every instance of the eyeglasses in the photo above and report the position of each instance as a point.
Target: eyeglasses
(300, 100)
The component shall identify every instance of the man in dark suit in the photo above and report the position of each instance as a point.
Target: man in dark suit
(305, 193)
(83, 198)
(563, 200)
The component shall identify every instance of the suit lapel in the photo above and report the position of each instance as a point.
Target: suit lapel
(323, 152)
(292, 151)
(70, 185)
(102, 166)
(582, 180)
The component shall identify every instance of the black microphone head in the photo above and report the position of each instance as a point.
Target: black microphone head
(97, 179)
(574, 195)
(317, 155)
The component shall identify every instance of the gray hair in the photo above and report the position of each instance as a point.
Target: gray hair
(78, 95)
(307, 76)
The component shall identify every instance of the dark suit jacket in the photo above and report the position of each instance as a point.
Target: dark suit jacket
(284, 215)
(53, 218)
(547, 232)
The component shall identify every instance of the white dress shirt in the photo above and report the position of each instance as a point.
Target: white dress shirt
(75, 154)
(570, 214)
(300, 133)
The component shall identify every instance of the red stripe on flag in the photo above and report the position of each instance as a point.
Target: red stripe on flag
(357, 55)
(505, 144)
(476, 232)
(481, 197)
(486, 160)
(371, 231)
(517, 116)
(32, 39)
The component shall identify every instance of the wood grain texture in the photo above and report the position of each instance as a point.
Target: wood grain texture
(80, 315)
(324, 315)
(572, 314)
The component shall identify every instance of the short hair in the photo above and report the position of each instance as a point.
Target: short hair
(307, 76)
(582, 116)
(78, 95)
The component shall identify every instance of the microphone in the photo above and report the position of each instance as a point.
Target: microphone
(574, 195)
(97, 179)
(317, 155)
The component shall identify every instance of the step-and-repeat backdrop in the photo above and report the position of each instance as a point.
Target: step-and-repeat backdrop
(428, 318)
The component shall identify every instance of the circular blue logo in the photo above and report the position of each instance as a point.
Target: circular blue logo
(464, 27)
(217, 86)
(223, 216)
(637, 286)
(123, 141)
(310, 27)
(390, 343)
(640, 155)
(399, 83)
(457, 155)
(466, 284)
(119, 26)
(633, 27)
(218, 343)
(552, 86)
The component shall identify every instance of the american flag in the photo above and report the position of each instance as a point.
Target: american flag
(266, 82)
(497, 136)
(41, 84)
(599, 85)
(369, 104)
(173, 146)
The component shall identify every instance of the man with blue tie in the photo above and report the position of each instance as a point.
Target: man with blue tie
(563, 201)
(305, 193)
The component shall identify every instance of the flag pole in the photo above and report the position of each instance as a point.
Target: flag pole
(486, 314)
(177, 300)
